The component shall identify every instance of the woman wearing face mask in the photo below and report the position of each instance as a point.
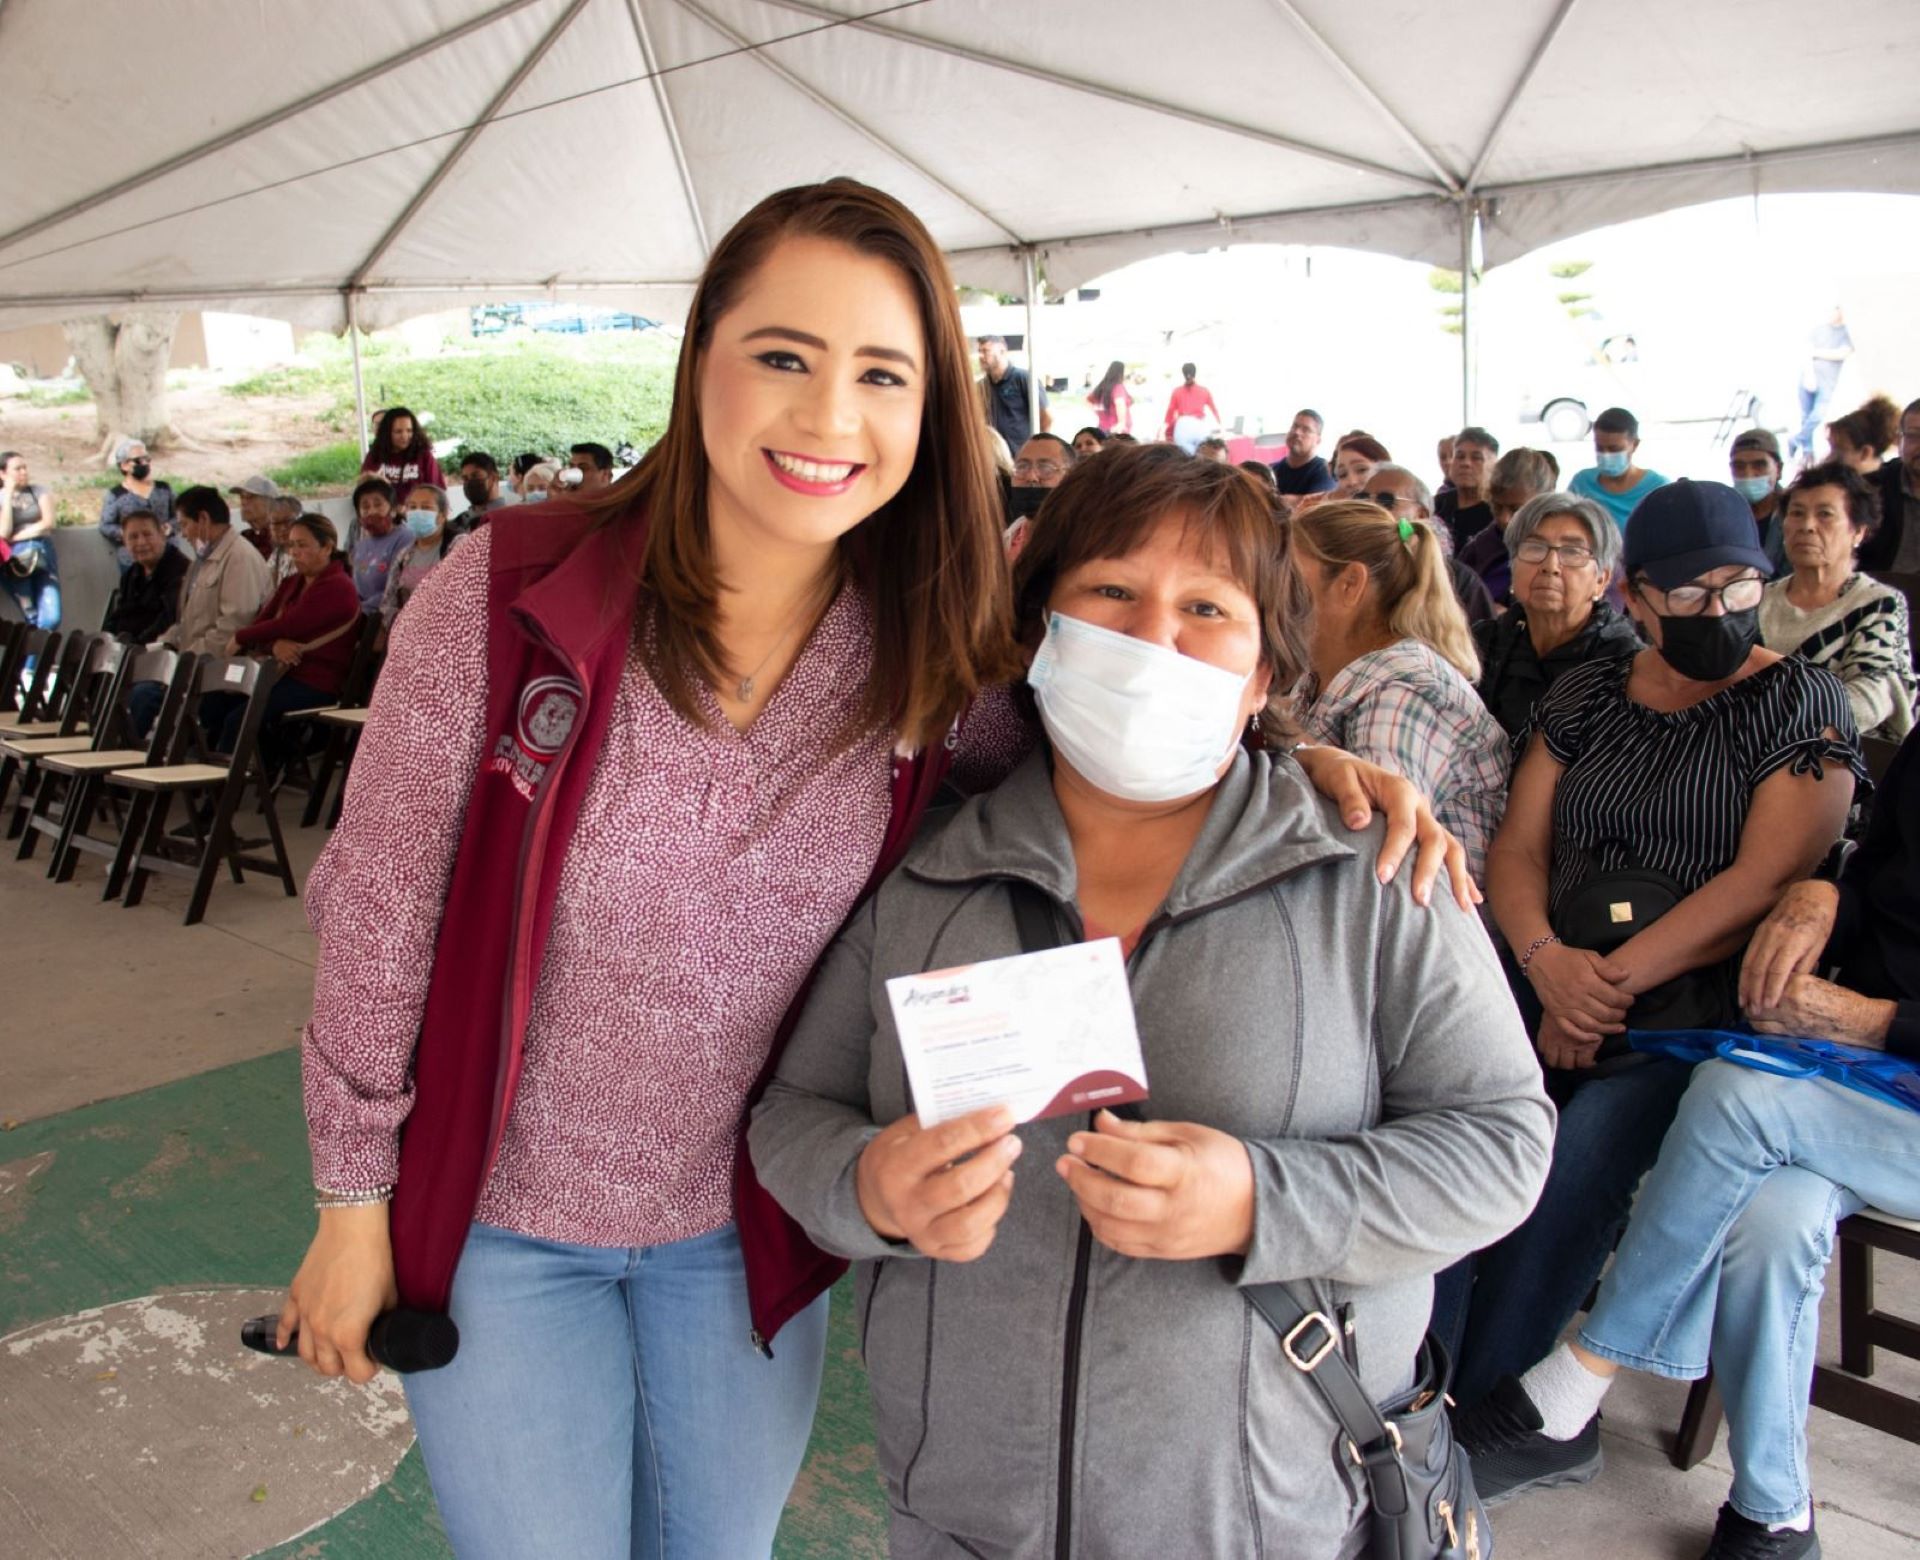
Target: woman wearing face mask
(426, 525)
(656, 745)
(401, 453)
(28, 564)
(381, 543)
(1708, 761)
(137, 490)
(1389, 661)
(1345, 1116)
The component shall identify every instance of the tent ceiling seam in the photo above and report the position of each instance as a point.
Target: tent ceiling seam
(1519, 88)
(1362, 89)
(671, 124)
(460, 148)
(1111, 94)
(266, 122)
(793, 79)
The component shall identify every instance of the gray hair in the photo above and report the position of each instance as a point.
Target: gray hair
(1422, 494)
(1602, 533)
(123, 451)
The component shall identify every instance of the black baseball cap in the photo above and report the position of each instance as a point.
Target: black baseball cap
(1679, 532)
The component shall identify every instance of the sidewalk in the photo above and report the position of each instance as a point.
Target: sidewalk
(154, 1148)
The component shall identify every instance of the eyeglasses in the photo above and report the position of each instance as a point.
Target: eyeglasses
(1385, 500)
(1045, 470)
(1571, 554)
(1741, 595)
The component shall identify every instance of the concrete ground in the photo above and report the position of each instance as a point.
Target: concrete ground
(153, 1193)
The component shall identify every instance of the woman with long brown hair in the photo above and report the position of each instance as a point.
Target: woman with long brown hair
(632, 762)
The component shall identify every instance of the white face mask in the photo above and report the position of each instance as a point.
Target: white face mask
(1136, 720)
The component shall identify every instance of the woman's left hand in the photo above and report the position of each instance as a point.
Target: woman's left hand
(1362, 789)
(286, 652)
(1167, 1189)
(1560, 1047)
(1819, 1010)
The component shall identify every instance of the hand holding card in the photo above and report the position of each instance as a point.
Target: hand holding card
(1173, 1190)
(944, 1188)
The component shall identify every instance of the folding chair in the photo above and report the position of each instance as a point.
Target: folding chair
(85, 772)
(1863, 1328)
(84, 724)
(223, 781)
(341, 734)
(30, 717)
(12, 632)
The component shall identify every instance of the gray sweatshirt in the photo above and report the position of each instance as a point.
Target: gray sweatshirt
(1365, 1050)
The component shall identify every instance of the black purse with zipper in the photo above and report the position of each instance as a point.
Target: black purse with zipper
(1607, 908)
(1421, 1501)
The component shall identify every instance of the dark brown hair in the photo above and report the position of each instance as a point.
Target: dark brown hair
(1863, 498)
(930, 560)
(1874, 425)
(1106, 508)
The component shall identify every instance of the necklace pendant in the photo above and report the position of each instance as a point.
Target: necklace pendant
(744, 692)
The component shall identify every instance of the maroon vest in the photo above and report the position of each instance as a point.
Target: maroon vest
(561, 602)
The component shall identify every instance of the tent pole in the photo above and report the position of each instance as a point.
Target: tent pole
(359, 379)
(1033, 358)
(1466, 313)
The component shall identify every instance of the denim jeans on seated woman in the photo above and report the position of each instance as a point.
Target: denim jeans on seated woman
(1728, 1248)
(608, 1402)
(38, 590)
(1527, 1288)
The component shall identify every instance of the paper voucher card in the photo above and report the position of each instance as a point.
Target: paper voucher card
(1047, 1033)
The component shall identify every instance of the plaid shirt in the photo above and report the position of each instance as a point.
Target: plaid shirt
(1408, 709)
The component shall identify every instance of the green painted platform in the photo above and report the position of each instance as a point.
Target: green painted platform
(204, 1183)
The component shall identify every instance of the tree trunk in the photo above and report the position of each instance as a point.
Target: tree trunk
(123, 358)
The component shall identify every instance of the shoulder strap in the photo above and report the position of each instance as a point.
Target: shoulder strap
(1033, 913)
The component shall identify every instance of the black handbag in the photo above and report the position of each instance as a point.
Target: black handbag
(1607, 908)
(1422, 1502)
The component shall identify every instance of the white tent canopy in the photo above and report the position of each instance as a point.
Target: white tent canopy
(301, 160)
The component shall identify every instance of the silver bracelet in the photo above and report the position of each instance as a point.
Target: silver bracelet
(325, 1197)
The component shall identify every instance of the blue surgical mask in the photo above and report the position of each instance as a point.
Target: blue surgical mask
(422, 522)
(1753, 489)
(1612, 463)
(535, 497)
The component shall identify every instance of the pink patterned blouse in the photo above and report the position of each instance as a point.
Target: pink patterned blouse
(708, 872)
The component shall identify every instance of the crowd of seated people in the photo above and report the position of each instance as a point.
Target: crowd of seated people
(1681, 676)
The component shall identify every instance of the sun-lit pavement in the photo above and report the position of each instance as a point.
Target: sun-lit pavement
(153, 1171)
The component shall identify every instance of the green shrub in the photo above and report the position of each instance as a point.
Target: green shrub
(503, 398)
(68, 395)
(1567, 270)
(333, 466)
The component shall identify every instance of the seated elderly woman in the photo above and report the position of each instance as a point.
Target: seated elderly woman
(1388, 664)
(1827, 612)
(1564, 552)
(307, 625)
(1343, 1116)
(1698, 778)
(1735, 1223)
(427, 525)
(1403, 495)
(1517, 476)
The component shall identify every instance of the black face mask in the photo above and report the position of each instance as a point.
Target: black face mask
(1709, 649)
(476, 490)
(140, 470)
(1024, 502)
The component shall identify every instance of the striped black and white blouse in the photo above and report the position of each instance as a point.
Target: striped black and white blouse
(1670, 791)
(1861, 637)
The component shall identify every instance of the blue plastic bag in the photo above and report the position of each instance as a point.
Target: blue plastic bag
(1893, 1079)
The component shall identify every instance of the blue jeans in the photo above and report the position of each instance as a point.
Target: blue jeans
(1813, 407)
(608, 1402)
(1728, 1248)
(37, 592)
(1526, 1288)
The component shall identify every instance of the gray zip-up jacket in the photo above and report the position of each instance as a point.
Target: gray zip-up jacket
(1055, 1398)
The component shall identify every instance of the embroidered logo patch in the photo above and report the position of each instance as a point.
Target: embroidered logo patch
(548, 708)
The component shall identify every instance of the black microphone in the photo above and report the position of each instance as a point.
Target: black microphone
(402, 1340)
